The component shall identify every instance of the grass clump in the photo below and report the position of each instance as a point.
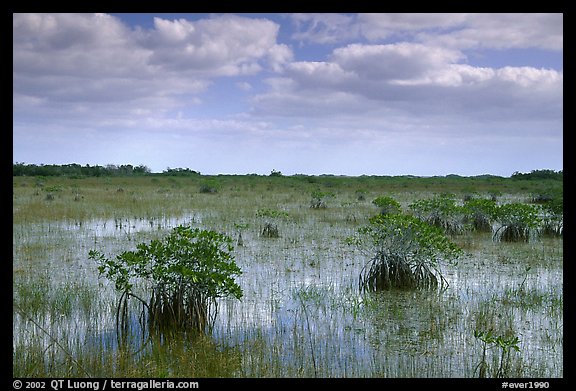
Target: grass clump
(209, 186)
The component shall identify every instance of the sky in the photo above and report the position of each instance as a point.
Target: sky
(343, 94)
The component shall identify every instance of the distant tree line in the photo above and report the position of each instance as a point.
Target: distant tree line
(180, 172)
(539, 174)
(76, 170)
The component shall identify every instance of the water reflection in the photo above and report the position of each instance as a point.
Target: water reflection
(301, 304)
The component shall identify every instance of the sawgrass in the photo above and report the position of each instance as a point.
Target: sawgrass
(302, 314)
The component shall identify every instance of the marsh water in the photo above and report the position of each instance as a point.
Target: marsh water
(302, 313)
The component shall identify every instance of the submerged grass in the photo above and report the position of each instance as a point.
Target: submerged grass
(178, 357)
(302, 314)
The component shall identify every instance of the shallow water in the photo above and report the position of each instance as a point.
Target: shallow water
(302, 313)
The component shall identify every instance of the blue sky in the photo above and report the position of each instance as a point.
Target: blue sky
(344, 94)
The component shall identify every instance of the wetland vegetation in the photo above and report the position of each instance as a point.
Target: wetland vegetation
(482, 294)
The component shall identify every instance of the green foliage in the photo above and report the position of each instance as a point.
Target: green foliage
(406, 253)
(551, 204)
(387, 205)
(319, 198)
(518, 222)
(556, 203)
(272, 213)
(361, 194)
(53, 189)
(180, 172)
(553, 226)
(480, 213)
(76, 170)
(270, 228)
(404, 233)
(240, 226)
(322, 194)
(186, 272)
(275, 173)
(539, 174)
(505, 344)
(518, 213)
(209, 186)
(440, 211)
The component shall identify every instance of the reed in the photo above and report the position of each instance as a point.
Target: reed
(300, 291)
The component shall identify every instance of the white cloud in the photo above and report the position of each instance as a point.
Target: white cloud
(387, 87)
(244, 86)
(394, 61)
(279, 56)
(90, 66)
(318, 74)
(503, 31)
(324, 28)
(451, 30)
(380, 26)
(225, 45)
(527, 77)
(409, 79)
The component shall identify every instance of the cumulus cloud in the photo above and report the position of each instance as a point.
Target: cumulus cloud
(318, 74)
(426, 73)
(94, 64)
(503, 31)
(82, 45)
(413, 79)
(324, 28)
(227, 45)
(279, 56)
(393, 61)
(388, 86)
(381, 26)
(454, 30)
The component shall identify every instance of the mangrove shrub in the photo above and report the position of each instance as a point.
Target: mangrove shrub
(406, 253)
(440, 211)
(518, 222)
(181, 275)
(480, 213)
(387, 205)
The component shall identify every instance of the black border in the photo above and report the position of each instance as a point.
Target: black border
(277, 7)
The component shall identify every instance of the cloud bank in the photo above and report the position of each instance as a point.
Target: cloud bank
(340, 83)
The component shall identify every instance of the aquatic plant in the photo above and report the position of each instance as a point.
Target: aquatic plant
(504, 343)
(480, 213)
(184, 274)
(552, 213)
(440, 211)
(270, 218)
(387, 205)
(209, 186)
(319, 198)
(518, 222)
(406, 253)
